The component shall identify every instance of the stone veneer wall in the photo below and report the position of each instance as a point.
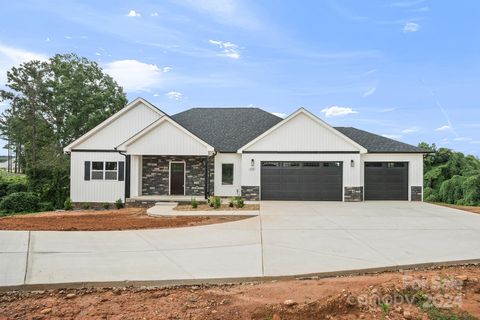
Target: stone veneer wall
(155, 175)
(416, 193)
(251, 193)
(353, 194)
(211, 165)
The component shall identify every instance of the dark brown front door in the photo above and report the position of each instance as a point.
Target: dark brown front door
(177, 178)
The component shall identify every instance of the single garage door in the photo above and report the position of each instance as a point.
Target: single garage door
(321, 181)
(386, 180)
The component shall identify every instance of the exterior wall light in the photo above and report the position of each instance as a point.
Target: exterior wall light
(352, 163)
(252, 163)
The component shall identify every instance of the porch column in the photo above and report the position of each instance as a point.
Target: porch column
(135, 175)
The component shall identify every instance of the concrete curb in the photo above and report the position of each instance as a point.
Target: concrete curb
(219, 281)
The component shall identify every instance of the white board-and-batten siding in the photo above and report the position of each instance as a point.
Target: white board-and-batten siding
(82, 190)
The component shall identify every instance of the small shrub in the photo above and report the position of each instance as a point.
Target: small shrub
(194, 203)
(239, 203)
(211, 201)
(16, 187)
(106, 205)
(86, 206)
(68, 205)
(119, 204)
(231, 202)
(20, 202)
(217, 202)
(46, 206)
(3, 188)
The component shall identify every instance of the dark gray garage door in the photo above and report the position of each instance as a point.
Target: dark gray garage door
(320, 181)
(386, 180)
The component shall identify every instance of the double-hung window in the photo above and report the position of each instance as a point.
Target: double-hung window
(107, 170)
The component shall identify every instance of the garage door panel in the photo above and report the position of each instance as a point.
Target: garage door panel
(386, 181)
(301, 181)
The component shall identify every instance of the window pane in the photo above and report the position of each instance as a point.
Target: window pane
(97, 175)
(291, 164)
(227, 173)
(97, 165)
(110, 175)
(110, 166)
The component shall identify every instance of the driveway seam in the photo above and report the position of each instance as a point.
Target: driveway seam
(28, 257)
(261, 241)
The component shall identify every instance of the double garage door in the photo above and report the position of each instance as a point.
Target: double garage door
(322, 181)
(293, 180)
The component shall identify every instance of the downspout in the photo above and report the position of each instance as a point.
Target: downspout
(126, 176)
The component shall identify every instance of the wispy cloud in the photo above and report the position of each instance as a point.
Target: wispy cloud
(134, 75)
(154, 14)
(462, 139)
(422, 9)
(411, 130)
(167, 69)
(369, 72)
(444, 128)
(11, 56)
(475, 142)
(229, 49)
(370, 91)
(386, 110)
(392, 136)
(133, 13)
(336, 111)
(280, 114)
(174, 95)
(406, 4)
(411, 27)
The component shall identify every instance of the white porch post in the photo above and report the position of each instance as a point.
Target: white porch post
(135, 176)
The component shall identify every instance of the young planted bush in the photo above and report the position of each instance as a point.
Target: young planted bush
(68, 205)
(119, 204)
(106, 205)
(86, 206)
(217, 202)
(231, 202)
(211, 201)
(194, 203)
(239, 203)
(20, 202)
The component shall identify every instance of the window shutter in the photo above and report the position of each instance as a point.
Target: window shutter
(86, 174)
(121, 170)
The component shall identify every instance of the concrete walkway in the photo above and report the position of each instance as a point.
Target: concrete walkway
(288, 238)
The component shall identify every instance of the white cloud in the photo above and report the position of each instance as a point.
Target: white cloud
(392, 136)
(10, 56)
(134, 75)
(411, 130)
(154, 14)
(462, 139)
(411, 27)
(335, 111)
(68, 37)
(444, 128)
(47, 39)
(280, 114)
(387, 110)
(133, 13)
(174, 95)
(167, 69)
(370, 91)
(230, 49)
(406, 4)
(369, 72)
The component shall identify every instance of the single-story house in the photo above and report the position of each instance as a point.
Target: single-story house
(142, 151)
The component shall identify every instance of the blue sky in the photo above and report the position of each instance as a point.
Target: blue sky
(406, 69)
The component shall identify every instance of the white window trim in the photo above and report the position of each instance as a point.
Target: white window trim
(233, 174)
(104, 171)
(170, 175)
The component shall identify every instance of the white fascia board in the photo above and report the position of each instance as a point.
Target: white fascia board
(312, 116)
(112, 118)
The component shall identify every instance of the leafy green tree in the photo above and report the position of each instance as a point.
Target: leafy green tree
(51, 104)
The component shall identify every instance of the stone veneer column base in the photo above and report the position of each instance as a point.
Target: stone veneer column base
(416, 193)
(353, 194)
(251, 193)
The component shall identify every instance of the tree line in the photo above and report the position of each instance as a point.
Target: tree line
(52, 103)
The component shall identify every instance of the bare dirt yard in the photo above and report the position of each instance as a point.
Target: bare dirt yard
(223, 207)
(464, 208)
(435, 293)
(103, 220)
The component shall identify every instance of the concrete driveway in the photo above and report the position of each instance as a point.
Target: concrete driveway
(288, 238)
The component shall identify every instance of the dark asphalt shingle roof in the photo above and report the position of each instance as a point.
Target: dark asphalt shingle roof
(226, 129)
(229, 129)
(376, 143)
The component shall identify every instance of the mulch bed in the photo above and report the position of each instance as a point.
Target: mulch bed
(223, 207)
(464, 208)
(104, 220)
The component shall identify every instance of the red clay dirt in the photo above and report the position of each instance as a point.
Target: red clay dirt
(455, 291)
(104, 220)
